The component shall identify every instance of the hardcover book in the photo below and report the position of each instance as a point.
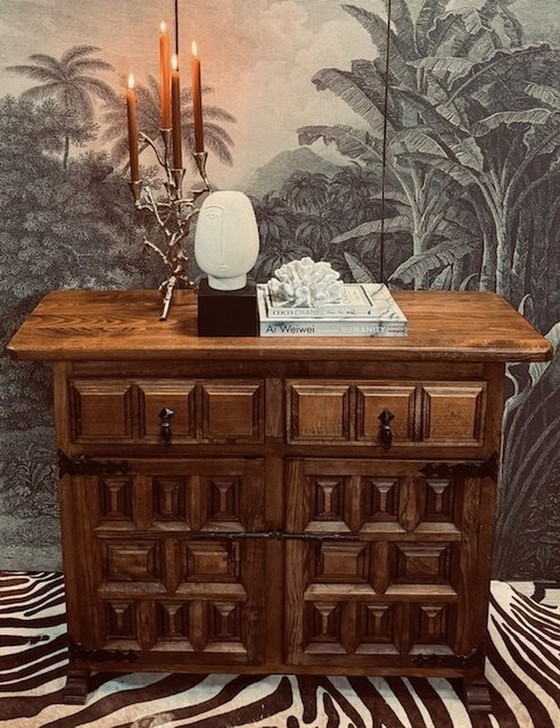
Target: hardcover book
(364, 310)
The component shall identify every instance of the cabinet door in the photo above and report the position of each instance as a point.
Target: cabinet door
(385, 562)
(158, 561)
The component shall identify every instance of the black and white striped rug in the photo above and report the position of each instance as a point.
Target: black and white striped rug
(523, 668)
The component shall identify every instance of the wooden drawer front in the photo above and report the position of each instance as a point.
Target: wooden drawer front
(453, 413)
(319, 413)
(128, 410)
(232, 411)
(178, 396)
(373, 399)
(101, 409)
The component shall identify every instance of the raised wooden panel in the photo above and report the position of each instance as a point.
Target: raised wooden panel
(131, 560)
(376, 629)
(423, 563)
(170, 496)
(177, 395)
(116, 499)
(343, 561)
(318, 412)
(453, 413)
(373, 399)
(432, 628)
(120, 619)
(210, 561)
(232, 411)
(100, 410)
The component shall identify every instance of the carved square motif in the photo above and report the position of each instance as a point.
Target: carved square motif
(433, 628)
(223, 503)
(440, 500)
(380, 499)
(423, 563)
(342, 562)
(170, 499)
(172, 621)
(131, 561)
(120, 619)
(224, 622)
(210, 561)
(116, 499)
(324, 623)
(376, 629)
(329, 499)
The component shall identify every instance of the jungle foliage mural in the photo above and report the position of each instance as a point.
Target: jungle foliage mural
(441, 171)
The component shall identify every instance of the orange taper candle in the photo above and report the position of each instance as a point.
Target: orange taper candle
(165, 76)
(176, 114)
(197, 100)
(132, 130)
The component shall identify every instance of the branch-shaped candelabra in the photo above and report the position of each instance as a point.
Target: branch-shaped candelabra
(173, 213)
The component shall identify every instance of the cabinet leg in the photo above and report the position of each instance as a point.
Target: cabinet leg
(476, 692)
(77, 686)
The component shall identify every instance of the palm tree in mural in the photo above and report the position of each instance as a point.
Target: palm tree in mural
(441, 119)
(216, 138)
(306, 191)
(278, 223)
(69, 80)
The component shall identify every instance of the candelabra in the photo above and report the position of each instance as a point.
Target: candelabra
(173, 213)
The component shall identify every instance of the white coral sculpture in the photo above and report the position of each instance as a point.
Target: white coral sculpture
(305, 283)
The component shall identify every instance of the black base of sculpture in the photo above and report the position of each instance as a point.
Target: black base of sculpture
(227, 313)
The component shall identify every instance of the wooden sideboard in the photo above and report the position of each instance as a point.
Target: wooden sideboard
(319, 506)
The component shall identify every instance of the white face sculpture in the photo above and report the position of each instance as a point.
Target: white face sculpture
(226, 243)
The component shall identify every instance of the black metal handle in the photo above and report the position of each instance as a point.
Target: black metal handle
(386, 433)
(166, 435)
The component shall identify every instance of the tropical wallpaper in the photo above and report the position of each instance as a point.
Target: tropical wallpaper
(421, 149)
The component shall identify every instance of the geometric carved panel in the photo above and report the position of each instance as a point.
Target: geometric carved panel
(318, 413)
(210, 561)
(344, 562)
(116, 499)
(439, 500)
(100, 410)
(432, 627)
(323, 626)
(120, 619)
(169, 499)
(172, 622)
(222, 503)
(328, 504)
(224, 623)
(176, 395)
(381, 497)
(131, 560)
(427, 563)
(453, 413)
(231, 411)
(376, 629)
(372, 400)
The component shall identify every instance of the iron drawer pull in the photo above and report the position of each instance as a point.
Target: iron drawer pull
(166, 434)
(386, 433)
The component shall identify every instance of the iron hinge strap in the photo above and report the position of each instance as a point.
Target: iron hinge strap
(475, 469)
(235, 535)
(86, 466)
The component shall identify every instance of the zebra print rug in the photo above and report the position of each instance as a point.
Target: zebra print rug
(523, 668)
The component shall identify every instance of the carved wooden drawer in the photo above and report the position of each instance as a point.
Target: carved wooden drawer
(128, 410)
(421, 413)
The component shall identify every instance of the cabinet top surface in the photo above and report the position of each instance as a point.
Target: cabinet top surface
(120, 325)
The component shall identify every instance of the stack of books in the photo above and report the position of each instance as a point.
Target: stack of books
(366, 309)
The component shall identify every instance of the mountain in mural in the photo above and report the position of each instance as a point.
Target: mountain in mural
(280, 168)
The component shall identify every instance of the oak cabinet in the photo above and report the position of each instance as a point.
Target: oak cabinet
(277, 505)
